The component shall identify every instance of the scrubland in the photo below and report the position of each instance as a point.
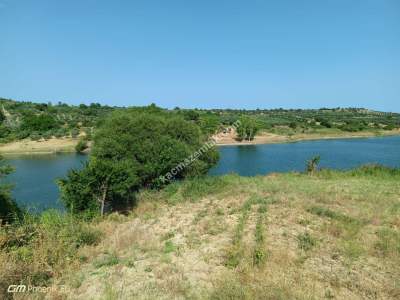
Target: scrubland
(330, 235)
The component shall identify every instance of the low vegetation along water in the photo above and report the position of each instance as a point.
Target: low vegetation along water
(35, 176)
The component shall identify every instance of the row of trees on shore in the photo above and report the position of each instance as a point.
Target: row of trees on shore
(19, 120)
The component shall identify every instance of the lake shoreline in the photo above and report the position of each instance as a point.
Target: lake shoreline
(42, 147)
(67, 145)
(280, 139)
(35, 175)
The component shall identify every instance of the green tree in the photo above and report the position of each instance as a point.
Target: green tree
(38, 123)
(4, 131)
(99, 183)
(353, 126)
(326, 123)
(209, 124)
(247, 129)
(2, 116)
(8, 207)
(131, 150)
(191, 115)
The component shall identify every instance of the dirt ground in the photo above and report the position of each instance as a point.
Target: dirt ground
(27, 146)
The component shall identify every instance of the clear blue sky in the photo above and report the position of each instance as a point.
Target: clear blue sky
(208, 53)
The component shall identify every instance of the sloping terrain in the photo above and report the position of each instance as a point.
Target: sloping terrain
(334, 235)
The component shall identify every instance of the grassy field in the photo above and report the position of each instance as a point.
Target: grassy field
(332, 235)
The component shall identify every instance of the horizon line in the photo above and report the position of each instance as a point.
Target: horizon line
(197, 108)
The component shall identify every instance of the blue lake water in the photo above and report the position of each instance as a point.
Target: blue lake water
(35, 176)
(335, 153)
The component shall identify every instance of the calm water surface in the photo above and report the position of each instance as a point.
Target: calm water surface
(335, 153)
(35, 176)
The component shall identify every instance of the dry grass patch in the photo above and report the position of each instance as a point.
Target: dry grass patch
(287, 236)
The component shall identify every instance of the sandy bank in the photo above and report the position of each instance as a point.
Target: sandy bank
(58, 145)
(27, 146)
(270, 138)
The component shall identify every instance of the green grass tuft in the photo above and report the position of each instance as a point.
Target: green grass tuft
(306, 242)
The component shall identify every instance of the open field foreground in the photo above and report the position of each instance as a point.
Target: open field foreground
(333, 235)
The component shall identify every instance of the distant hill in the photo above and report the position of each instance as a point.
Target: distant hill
(21, 119)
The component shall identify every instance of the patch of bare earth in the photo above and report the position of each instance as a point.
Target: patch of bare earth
(175, 252)
(28, 146)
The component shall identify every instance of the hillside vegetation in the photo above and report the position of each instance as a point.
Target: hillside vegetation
(43, 121)
(330, 235)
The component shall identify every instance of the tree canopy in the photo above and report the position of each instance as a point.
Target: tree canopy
(8, 207)
(20, 120)
(247, 128)
(131, 150)
(41, 122)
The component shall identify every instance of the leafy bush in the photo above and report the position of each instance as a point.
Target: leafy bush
(47, 135)
(9, 210)
(353, 126)
(4, 131)
(312, 164)
(305, 241)
(41, 123)
(134, 149)
(81, 146)
(389, 127)
(35, 136)
(326, 123)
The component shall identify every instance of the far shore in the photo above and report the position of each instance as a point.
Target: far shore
(67, 145)
(270, 138)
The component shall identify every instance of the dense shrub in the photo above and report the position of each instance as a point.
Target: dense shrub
(389, 127)
(131, 150)
(41, 123)
(9, 210)
(81, 146)
(353, 126)
(312, 164)
(326, 123)
(4, 131)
